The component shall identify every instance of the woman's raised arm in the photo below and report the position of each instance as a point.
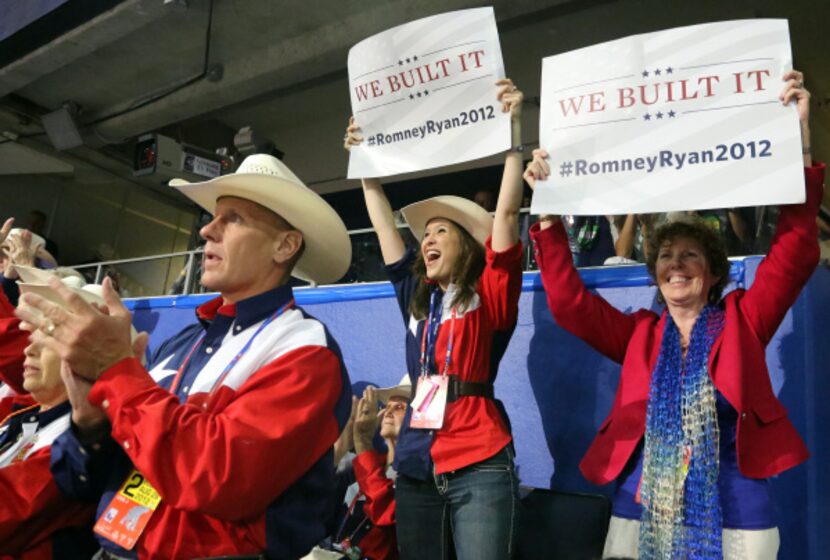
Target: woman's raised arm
(392, 246)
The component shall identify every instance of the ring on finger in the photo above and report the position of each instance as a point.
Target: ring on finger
(49, 327)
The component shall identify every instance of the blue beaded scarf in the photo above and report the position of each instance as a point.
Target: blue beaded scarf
(679, 490)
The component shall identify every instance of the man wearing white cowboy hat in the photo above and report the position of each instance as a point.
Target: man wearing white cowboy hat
(226, 437)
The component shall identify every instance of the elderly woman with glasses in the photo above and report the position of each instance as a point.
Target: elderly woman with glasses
(696, 430)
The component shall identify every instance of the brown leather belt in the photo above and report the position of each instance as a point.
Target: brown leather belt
(456, 388)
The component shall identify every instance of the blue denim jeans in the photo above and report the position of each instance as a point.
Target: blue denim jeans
(468, 514)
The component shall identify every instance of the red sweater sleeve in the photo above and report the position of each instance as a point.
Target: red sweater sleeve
(12, 343)
(233, 462)
(500, 285)
(792, 258)
(32, 507)
(574, 308)
(370, 472)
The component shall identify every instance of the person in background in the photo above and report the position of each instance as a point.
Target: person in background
(367, 526)
(696, 430)
(630, 233)
(486, 199)
(735, 225)
(37, 225)
(590, 240)
(20, 247)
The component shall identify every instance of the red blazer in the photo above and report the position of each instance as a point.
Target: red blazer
(767, 442)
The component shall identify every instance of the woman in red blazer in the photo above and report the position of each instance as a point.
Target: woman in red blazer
(695, 429)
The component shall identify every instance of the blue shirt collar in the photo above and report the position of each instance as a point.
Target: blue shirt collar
(248, 311)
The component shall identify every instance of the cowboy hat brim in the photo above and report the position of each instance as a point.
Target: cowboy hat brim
(32, 275)
(87, 294)
(46, 292)
(466, 213)
(328, 250)
(403, 390)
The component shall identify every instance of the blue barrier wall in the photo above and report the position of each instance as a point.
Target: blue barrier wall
(557, 390)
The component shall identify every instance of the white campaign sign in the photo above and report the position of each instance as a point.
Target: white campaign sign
(682, 119)
(424, 94)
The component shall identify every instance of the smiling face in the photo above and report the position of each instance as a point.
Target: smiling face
(683, 274)
(440, 249)
(248, 249)
(392, 418)
(42, 375)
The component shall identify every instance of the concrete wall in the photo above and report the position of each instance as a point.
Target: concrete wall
(88, 212)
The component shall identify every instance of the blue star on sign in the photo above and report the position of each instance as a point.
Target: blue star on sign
(669, 70)
(645, 73)
(647, 117)
(659, 115)
(671, 114)
(411, 96)
(656, 71)
(414, 57)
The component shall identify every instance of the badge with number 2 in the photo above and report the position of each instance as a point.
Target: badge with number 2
(430, 402)
(129, 511)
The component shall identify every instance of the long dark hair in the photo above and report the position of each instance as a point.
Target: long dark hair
(465, 274)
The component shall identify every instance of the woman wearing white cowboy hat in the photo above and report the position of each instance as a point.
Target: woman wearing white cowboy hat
(459, 298)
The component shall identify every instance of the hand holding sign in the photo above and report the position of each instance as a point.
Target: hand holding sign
(681, 119)
(422, 93)
(794, 91)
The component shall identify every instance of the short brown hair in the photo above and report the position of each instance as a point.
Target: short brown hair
(714, 249)
(465, 273)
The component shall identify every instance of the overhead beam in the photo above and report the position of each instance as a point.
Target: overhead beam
(101, 30)
(302, 58)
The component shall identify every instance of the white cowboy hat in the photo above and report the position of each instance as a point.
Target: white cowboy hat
(32, 275)
(90, 293)
(466, 213)
(267, 181)
(403, 390)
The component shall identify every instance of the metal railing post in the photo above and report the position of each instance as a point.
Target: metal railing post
(188, 275)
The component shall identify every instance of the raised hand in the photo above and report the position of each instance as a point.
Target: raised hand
(88, 340)
(537, 169)
(352, 138)
(85, 415)
(510, 97)
(18, 250)
(366, 421)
